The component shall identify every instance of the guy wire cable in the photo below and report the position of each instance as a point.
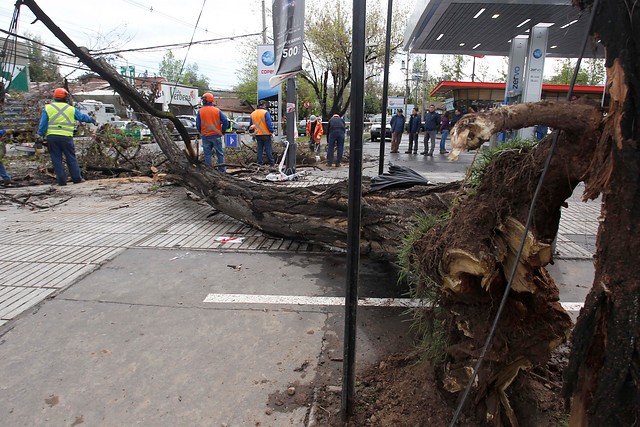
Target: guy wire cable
(503, 302)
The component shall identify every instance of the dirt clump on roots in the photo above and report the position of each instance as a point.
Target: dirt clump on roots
(404, 391)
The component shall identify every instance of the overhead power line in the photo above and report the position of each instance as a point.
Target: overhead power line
(151, 9)
(174, 45)
(37, 42)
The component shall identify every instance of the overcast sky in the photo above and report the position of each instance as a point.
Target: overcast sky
(143, 23)
(152, 23)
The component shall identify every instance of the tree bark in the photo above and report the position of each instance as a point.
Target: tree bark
(604, 370)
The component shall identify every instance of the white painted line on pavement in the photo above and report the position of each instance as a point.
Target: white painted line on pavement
(330, 301)
(302, 300)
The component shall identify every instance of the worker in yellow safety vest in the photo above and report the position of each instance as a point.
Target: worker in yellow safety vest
(56, 127)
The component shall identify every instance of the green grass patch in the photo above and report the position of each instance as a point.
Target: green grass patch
(486, 157)
(427, 320)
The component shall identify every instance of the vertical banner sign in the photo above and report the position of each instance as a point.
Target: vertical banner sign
(535, 64)
(535, 67)
(266, 69)
(515, 77)
(288, 34)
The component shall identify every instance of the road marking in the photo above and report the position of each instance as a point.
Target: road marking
(330, 301)
(303, 300)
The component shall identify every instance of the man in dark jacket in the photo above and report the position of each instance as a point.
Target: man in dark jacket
(431, 123)
(335, 137)
(397, 129)
(414, 131)
(457, 115)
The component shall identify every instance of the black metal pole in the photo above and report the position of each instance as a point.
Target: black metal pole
(355, 204)
(473, 71)
(385, 88)
(290, 160)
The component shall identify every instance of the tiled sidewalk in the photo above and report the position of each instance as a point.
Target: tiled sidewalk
(44, 251)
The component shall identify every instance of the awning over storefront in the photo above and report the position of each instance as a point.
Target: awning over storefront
(483, 96)
(469, 27)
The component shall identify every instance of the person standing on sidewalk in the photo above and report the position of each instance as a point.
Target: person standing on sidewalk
(431, 123)
(210, 122)
(6, 178)
(397, 129)
(262, 125)
(444, 132)
(56, 127)
(335, 136)
(414, 131)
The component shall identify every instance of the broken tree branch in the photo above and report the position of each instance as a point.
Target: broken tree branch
(474, 129)
(118, 83)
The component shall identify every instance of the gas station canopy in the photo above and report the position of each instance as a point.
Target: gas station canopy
(466, 27)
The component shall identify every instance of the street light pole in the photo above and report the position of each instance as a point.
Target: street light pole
(425, 89)
(406, 99)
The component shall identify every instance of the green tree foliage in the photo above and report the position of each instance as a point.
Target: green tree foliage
(43, 63)
(591, 72)
(172, 69)
(453, 67)
(247, 87)
(372, 96)
(596, 71)
(328, 50)
(502, 77)
(305, 92)
(564, 73)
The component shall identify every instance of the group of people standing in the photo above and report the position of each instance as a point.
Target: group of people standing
(211, 122)
(433, 122)
(58, 119)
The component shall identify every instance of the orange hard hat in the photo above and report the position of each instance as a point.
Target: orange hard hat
(207, 97)
(60, 93)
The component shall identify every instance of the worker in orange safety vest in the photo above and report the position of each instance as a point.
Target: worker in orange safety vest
(314, 130)
(262, 126)
(211, 123)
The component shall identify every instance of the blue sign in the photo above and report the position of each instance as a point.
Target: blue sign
(537, 53)
(231, 140)
(268, 58)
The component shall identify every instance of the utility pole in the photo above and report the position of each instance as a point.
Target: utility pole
(425, 89)
(473, 71)
(406, 99)
(264, 24)
(385, 88)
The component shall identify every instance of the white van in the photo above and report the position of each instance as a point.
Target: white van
(102, 112)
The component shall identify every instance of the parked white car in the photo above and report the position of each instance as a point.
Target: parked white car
(375, 131)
